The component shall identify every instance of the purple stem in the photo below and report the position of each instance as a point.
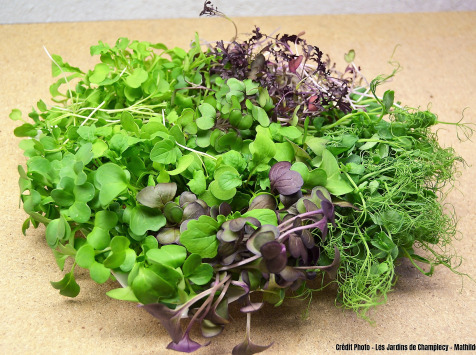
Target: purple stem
(242, 262)
(305, 214)
(206, 303)
(282, 237)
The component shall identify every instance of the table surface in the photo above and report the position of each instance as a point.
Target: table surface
(437, 53)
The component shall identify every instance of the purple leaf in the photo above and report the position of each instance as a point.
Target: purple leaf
(296, 248)
(224, 209)
(262, 235)
(237, 290)
(218, 314)
(307, 239)
(284, 180)
(328, 209)
(295, 63)
(263, 201)
(169, 319)
(252, 307)
(210, 329)
(168, 235)
(157, 196)
(248, 348)
(193, 210)
(186, 197)
(186, 345)
(274, 255)
(331, 269)
(290, 274)
(288, 200)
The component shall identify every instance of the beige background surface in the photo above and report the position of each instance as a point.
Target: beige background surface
(437, 53)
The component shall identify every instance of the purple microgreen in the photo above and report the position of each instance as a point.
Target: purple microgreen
(157, 196)
(331, 269)
(263, 201)
(193, 210)
(274, 256)
(295, 63)
(296, 248)
(186, 345)
(283, 180)
(247, 347)
(289, 200)
(186, 197)
(210, 329)
(170, 319)
(262, 235)
(252, 307)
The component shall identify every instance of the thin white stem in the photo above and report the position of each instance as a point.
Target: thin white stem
(62, 72)
(92, 113)
(196, 151)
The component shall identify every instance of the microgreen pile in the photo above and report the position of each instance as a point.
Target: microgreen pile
(240, 174)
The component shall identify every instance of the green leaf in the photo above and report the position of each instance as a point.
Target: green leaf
(349, 57)
(128, 123)
(85, 256)
(196, 271)
(63, 197)
(129, 260)
(171, 255)
(99, 238)
(105, 220)
(182, 164)
(137, 77)
(58, 66)
(99, 148)
(264, 215)
(149, 287)
(87, 132)
(284, 152)
(112, 182)
(335, 184)
(219, 192)
(260, 115)
(99, 73)
(388, 97)
(84, 192)
(56, 231)
(205, 122)
(371, 144)
(251, 88)
(329, 164)
(15, 115)
(99, 272)
(123, 294)
(263, 148)
(229, 180)
(313, 178)
(234, 159)
(25, 130)
(165, 152)
(119, 245)
(79, 212)
(338, 187)
(317, 145)
(67, 286)
(145, 218)
(198, 184)
(200, 236)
